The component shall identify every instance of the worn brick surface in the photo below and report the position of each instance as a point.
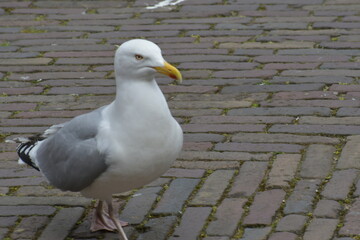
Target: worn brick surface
(158, 228)
(269, 103)
(255, 233)
(283, 236)
(283, 170)
(300, 200)
(175, 196)
(248, 179)
(62, 223)
(192, 223)
(264, 207)
(212, 189)
(357, 189)
(339, 185)
(317, 161)
(281, 138)
(351, 225)
(26, 210)
(216, 238)
(290, 111)
(291, 223)
(327, 208)
(320, 228)
(258, 147)
(139, 205)
(227, 217)
(349, 155)
(29, 226)
(316, 129)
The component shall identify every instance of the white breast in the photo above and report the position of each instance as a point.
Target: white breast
(141, 145)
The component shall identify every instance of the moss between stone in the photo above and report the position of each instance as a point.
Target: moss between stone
(33, 30)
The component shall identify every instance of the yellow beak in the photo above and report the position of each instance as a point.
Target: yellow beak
(170, 70)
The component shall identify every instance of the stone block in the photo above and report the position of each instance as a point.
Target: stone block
(321, 228)
(291, 223)
(248, 179)
(62, 223)
(191, 223)
(176, 195)
(139, 205)
(213, 188)
(283, 170)
(255, 233)
(158, 228)
(327, 209)
(349, 157)
(300, 201)
(318, 160)
(283, 236)
(264, 207)
(340, 184)
(352, 220)
(227, 216)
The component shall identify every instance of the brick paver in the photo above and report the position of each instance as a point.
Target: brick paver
(270, 108)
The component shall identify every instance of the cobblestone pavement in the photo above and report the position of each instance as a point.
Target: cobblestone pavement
(269, 107)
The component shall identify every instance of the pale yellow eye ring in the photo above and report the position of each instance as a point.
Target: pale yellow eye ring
(139, 57)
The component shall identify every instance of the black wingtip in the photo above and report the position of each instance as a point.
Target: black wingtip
(23, 151)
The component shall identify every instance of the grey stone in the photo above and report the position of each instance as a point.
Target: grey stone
(25, 61)
(176, 195)
(357, 191)
(352, 220)
(321, 228)
(191, 223)
(256, 233)
(300, 201)
(350, 154)
(327, 209)
(69, 201)
(41, 191)
(4, 190)
(339, 185)
(317, 161)
(213, 188)
(216, 238)
(3, 232)
(62, 223)
(283, 236)
(248, 179)
(227, 217)
(264, 207)
(139, 205)
(7, 221)
(291, 111)
(291, 223)
(283, 169)
(29, 226)
(26, 210)
(158, 228)
(159, 182)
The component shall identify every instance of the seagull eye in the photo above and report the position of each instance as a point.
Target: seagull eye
(139, 57)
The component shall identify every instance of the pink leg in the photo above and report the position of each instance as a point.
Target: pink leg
(102, 220)
(116, 221)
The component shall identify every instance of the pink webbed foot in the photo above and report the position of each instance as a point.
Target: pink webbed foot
(101, 219)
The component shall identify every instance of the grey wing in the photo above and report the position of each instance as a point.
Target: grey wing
(70, 159)
(52, 130)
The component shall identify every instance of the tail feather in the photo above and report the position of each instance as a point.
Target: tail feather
(26, 144)
(23, 151)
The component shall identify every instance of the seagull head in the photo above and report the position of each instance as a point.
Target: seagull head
(140, 59)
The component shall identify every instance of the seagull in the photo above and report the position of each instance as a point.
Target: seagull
(115, 148)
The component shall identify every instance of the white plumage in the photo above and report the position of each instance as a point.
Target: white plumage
(118, 147)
